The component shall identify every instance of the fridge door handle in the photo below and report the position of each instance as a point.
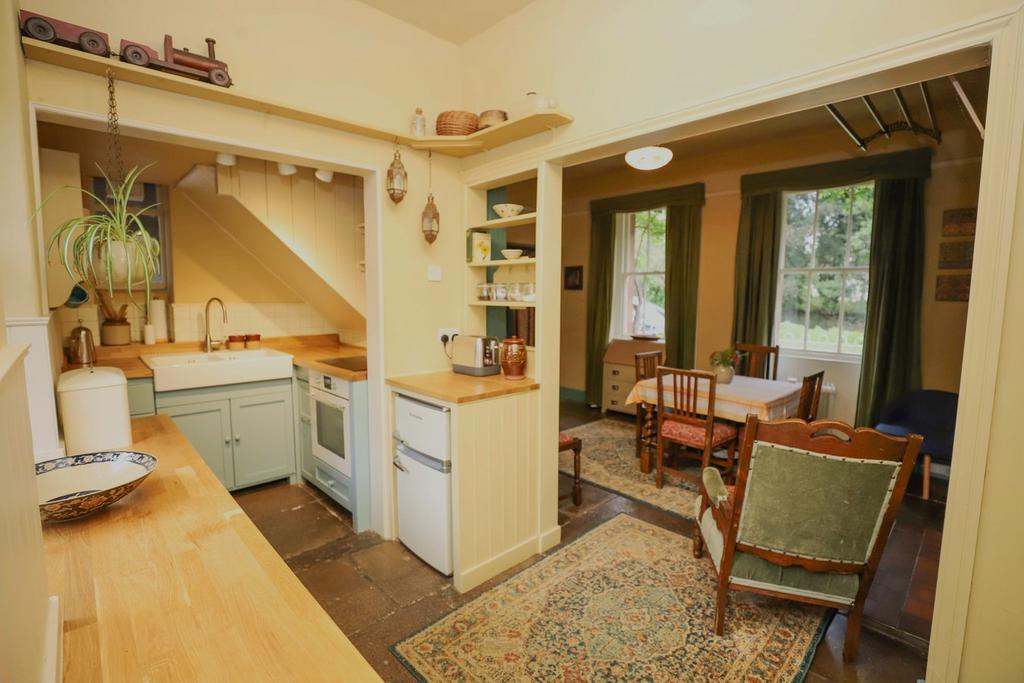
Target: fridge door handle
(398, 437)
(399, 465)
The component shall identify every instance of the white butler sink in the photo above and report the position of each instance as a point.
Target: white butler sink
(173, 371)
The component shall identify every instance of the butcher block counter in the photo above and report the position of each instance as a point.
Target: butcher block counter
(452, 387)
(175, 583)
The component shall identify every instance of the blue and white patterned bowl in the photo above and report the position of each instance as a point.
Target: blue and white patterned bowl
(79, 485)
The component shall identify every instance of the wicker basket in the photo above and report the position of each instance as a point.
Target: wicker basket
(457, 123)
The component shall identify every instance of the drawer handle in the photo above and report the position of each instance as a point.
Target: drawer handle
(615, 372)
(615, 387)
(614, 402)
(305, 420)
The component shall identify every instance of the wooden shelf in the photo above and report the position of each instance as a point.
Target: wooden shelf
(498, 223)
(451, 145)
(524, 261)
(505, 304)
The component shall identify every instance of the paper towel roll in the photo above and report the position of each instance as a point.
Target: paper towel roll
(158, 318)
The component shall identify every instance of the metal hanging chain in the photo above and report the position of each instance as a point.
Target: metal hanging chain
(430, 170)
(115, 161)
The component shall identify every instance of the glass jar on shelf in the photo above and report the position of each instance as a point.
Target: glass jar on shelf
(483, 292)
(499, 292)
(514, 292)
(529, 291)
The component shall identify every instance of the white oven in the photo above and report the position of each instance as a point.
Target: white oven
(330, 421)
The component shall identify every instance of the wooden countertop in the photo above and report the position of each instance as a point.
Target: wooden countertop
(306, 352)
(174, 582)
(452, 387)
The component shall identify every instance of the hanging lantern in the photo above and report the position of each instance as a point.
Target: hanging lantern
(397, 180)
(430, 220)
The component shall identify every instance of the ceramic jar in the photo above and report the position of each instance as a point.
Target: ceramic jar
(724, 373)
(513, 358)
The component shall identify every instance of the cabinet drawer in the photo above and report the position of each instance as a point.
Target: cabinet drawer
(334, 484)
(302, 374)
(619, 373)
(141, 400)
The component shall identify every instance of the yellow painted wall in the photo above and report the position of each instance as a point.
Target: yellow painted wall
(207, 262)
(954, 184)
(19, 260)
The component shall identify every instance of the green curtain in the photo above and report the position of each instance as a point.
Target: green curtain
(757, 264)
(599, 300)
(682, 268)
(681, 307)
(891, 363)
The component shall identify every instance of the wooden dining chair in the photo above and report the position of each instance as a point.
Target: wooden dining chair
(647, 363)
(758, 360)
(809, 517)
(567, 442)
(686, 423)
(810, 396)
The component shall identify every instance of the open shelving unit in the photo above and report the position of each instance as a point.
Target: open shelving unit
(451, 145)
(502, 262)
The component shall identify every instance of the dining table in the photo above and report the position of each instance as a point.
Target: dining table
(769, 399)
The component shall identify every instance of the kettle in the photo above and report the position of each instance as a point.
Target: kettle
(81, 350)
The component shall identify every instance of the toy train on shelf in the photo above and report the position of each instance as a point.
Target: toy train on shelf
(175, 61)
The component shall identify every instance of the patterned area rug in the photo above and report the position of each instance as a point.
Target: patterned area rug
(626, 602)
(609, 461)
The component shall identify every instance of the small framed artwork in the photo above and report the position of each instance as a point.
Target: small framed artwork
(956, 255)
(953, 287)
(959, 222)
(573, 277)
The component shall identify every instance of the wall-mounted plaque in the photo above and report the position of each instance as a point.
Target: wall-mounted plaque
(956, 255)
(959, 222)
(573, 277)
(953, 287)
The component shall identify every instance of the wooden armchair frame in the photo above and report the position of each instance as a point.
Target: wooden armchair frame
(685, 391)
(758, 360)
(647, 363)
(810, 397)
(829, 437)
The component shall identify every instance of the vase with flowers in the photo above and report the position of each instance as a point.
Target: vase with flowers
(724, 364)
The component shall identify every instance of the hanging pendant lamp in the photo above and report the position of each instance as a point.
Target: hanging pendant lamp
(397, 183)
(430, 219)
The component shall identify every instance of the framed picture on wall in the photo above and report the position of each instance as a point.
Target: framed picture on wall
(573, 277)
(959, 222)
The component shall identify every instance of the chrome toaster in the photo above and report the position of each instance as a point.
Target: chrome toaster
(473, 355)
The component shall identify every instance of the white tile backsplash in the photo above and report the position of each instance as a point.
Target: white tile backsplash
(269, 320)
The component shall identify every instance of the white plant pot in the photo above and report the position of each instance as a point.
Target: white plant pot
(120, 253)
(724, 373)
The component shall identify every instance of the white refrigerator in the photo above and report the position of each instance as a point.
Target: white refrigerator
(423, 473)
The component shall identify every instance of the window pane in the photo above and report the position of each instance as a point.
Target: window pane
(799, 229)
(860, 237)
(823, 331)
(645, 302)
(648, 242)
(833, 221)
(855, 312)
(794, 311)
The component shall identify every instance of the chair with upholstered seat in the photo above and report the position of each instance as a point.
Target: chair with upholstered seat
(809, 517)
(930, 413)
(758, 360)
(688, 420)
(567, 442)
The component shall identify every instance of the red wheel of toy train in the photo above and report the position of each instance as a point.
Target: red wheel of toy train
(40, 29)
(93, 43)
(219, 77)
(133, 54)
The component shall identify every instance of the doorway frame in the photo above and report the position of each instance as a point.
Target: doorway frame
(1003, 34)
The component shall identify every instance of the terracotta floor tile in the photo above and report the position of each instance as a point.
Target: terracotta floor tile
(404, 577)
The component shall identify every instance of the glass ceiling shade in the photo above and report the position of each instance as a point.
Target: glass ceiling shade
(648, 158)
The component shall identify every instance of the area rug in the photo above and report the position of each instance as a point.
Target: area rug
(609, 460)
(626, 602)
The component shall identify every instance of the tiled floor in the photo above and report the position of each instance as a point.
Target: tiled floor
(378, 593)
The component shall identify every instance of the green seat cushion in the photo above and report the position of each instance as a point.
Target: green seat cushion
(750, 570)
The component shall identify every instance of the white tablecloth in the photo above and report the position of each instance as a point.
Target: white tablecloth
(766, 398)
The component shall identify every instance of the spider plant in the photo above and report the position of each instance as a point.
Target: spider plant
(88, 245)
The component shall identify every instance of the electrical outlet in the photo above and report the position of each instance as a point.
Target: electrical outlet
(449, 332)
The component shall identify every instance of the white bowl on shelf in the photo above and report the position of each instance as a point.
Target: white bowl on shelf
(508, 210)
(511, 254)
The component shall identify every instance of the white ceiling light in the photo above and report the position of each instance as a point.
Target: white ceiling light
(323, 175)
(648, 158)
(225, 159)
(286, 169)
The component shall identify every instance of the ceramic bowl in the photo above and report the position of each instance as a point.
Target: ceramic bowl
(511, 253)
(79, 485)
(508, 210)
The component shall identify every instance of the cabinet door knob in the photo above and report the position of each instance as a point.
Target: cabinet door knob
(238, 437)
(227, 440)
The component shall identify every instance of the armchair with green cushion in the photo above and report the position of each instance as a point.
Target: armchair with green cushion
(809, 515)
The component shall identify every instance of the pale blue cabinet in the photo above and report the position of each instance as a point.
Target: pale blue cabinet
(140, 397)
(244, 432)
(262, 435)
(303, 429)
(207, 426)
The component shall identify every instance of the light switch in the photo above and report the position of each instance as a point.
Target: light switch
(433, 273)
